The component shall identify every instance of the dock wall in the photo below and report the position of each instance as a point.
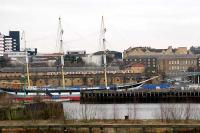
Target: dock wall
(141, 96)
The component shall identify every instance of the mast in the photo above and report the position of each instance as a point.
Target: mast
(61, 52)
(103, 40)
(27, 62)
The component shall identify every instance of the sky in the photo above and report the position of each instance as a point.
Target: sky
(129, 23)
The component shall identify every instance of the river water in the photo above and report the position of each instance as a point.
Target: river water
(75, 110)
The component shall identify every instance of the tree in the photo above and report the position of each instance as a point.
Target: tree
(4, 62)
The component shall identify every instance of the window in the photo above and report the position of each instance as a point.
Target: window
(170, 62)
(177, 62)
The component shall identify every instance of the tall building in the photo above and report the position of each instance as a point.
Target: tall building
(9, 43)
(1, 45)
(15, 35)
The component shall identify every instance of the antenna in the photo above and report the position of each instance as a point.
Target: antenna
(61, 51)
(102, 41)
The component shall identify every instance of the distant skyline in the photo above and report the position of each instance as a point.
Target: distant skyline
(129, 23)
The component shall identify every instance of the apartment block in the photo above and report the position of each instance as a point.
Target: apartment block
(9, 43)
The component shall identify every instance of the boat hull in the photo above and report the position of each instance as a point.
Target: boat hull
(44, 94)
(46, 98)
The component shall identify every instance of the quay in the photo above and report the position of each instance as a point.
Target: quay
(141, 96)
(143, 128)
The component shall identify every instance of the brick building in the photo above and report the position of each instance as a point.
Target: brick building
(149, 62)
(174, 64)
(141, 51)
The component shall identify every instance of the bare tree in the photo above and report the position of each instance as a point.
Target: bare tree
(162, 113)
(70, 113)
(195, 112)
(178, 112)
(187, 111)
(102, 111)
(88, 111)
(115, 111)
(132, 111)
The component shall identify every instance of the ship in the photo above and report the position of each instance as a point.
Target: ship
(30, 93)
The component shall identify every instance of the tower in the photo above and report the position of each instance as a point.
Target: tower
(1, 44)
(15, 35)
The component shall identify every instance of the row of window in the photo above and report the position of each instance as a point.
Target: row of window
(152, 65)
(178, 68)
(182, 62)
(141, 60)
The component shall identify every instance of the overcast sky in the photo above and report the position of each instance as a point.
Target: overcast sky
(155, 23)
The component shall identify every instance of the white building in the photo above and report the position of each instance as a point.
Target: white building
(12, 54)
(76, 52)
(7, 44)
(93, 60)
(1, 45)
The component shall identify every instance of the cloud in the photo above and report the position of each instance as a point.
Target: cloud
(142, 22)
